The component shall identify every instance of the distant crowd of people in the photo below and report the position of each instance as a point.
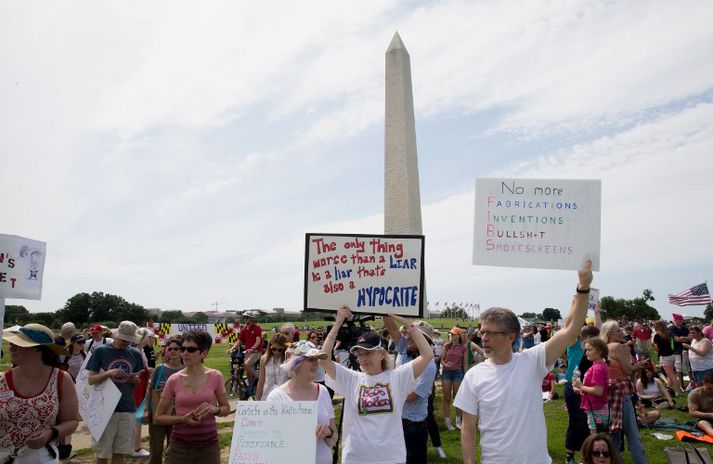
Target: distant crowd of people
(489, 375)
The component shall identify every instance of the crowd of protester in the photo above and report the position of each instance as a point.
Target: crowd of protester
(488, 375)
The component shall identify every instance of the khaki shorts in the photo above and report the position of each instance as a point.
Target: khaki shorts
(681, 367)
(253, 358)
(118, 436)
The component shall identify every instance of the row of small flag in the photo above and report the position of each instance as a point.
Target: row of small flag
(694, 296)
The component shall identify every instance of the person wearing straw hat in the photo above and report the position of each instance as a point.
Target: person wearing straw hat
(38, 401)
(301, 368)
(123, 364)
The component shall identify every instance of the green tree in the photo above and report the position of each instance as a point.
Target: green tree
(15, 314)
(174, 316)
(637, 308)
(708, 312)
(199, 318)
(85, 308)
(551, 314)
(529, 316)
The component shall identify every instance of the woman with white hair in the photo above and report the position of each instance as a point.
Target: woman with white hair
(375, 396)
(622, 415)
(301, 369)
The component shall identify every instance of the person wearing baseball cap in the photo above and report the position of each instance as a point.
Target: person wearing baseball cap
(98, 338)
(301, 368)
(455, 364)
(123, 364)
(374, 397)
(38, 401)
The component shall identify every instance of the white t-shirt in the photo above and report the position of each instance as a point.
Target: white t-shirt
(92, 344)
(507, 399)
(373, 432)
(325, 412)
(698, 362)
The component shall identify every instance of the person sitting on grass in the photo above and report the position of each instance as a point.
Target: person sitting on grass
(652, 391)
(700, 405)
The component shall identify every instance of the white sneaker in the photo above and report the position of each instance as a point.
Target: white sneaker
(441, 453)
(459, 422)
(141, 453)
(448, 425)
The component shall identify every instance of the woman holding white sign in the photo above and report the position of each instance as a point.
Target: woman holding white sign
(302, 368)
(374, 398)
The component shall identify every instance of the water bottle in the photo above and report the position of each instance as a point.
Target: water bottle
(576, 374)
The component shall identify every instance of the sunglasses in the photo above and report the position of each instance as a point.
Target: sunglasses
(190, 349)
(172, 349)
(600, 454)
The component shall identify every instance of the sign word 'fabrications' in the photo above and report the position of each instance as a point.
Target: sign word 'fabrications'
(378, 274)
(540, 223)
(22, 264)
(273, 431)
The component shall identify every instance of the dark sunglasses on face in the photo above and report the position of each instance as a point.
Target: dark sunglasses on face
(190, 349)
(171, 348)
(600, 454)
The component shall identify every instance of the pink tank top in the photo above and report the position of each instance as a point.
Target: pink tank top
(21, 416)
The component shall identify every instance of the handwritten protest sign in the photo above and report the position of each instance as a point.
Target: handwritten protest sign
(96, 402)
(22, 263)
(540, 223)
(271, 432)
(593, 298)
(377, 274)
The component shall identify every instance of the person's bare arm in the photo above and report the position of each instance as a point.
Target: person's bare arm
(467, 438)
(425, 350)
(621, 354)
(393, 328)
(328, 365)
(95, 378)
(261, 378)
(693, 411)
(555, 346)
(702, 349)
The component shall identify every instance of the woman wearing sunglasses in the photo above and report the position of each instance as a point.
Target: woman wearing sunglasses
(271, 372)
(172, 363)
(38, 402)
(374, 397)
(301, 368)
(198, 395)
(598, 449)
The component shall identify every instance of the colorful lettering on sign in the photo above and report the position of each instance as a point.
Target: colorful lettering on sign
(375, 400)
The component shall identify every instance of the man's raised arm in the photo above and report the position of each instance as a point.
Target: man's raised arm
(555, 346)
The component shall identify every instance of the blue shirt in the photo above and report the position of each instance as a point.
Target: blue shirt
(129, 360)
(417, 410)
(575, 353)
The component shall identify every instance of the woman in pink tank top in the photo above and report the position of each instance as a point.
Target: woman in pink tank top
(198, 395)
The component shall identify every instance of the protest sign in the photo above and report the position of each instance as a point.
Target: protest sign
(22, 263)
(593, 298)
(274, 431)
(539, 223)
(96, 402)
(377, 274)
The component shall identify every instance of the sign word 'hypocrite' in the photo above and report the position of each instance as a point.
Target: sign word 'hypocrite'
(376, 274)
(539, 223)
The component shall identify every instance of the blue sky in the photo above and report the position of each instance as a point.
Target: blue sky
(176, 154)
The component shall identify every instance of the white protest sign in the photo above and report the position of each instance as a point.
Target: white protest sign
(539, 223)
(272, 432)
(593, 298)
(377, 274)
(96, 402)
(22, 264)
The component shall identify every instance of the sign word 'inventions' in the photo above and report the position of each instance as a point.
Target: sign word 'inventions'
(540, 223)
(378, 274)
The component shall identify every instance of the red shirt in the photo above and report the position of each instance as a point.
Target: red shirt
(547, 382)
(249, 334)
(643, 334)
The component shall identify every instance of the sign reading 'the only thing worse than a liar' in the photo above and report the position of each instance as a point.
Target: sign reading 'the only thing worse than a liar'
(538, 223)
(376, 274)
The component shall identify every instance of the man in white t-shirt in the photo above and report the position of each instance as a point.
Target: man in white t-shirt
(503, 394)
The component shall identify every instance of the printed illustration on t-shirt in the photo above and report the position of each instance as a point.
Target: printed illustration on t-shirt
(123, 364)
(375, 400)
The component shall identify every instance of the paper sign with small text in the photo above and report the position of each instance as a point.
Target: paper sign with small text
(376, 274)
(22, 264)
(537, 223)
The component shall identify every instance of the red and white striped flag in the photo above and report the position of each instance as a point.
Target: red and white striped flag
(693, 296)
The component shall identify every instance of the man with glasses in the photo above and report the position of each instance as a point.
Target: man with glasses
(503, 396)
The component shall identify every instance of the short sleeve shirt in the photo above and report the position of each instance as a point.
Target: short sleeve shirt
(129, 360)
(248, 335)
(678, 332)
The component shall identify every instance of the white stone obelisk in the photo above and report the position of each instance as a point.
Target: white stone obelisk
(402, 198)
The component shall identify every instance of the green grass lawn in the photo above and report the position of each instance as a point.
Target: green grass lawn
(556, 418)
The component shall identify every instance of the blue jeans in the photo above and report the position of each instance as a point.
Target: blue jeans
(698, 376)
(631, 430)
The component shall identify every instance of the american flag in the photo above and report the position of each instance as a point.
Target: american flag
(693, 296)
